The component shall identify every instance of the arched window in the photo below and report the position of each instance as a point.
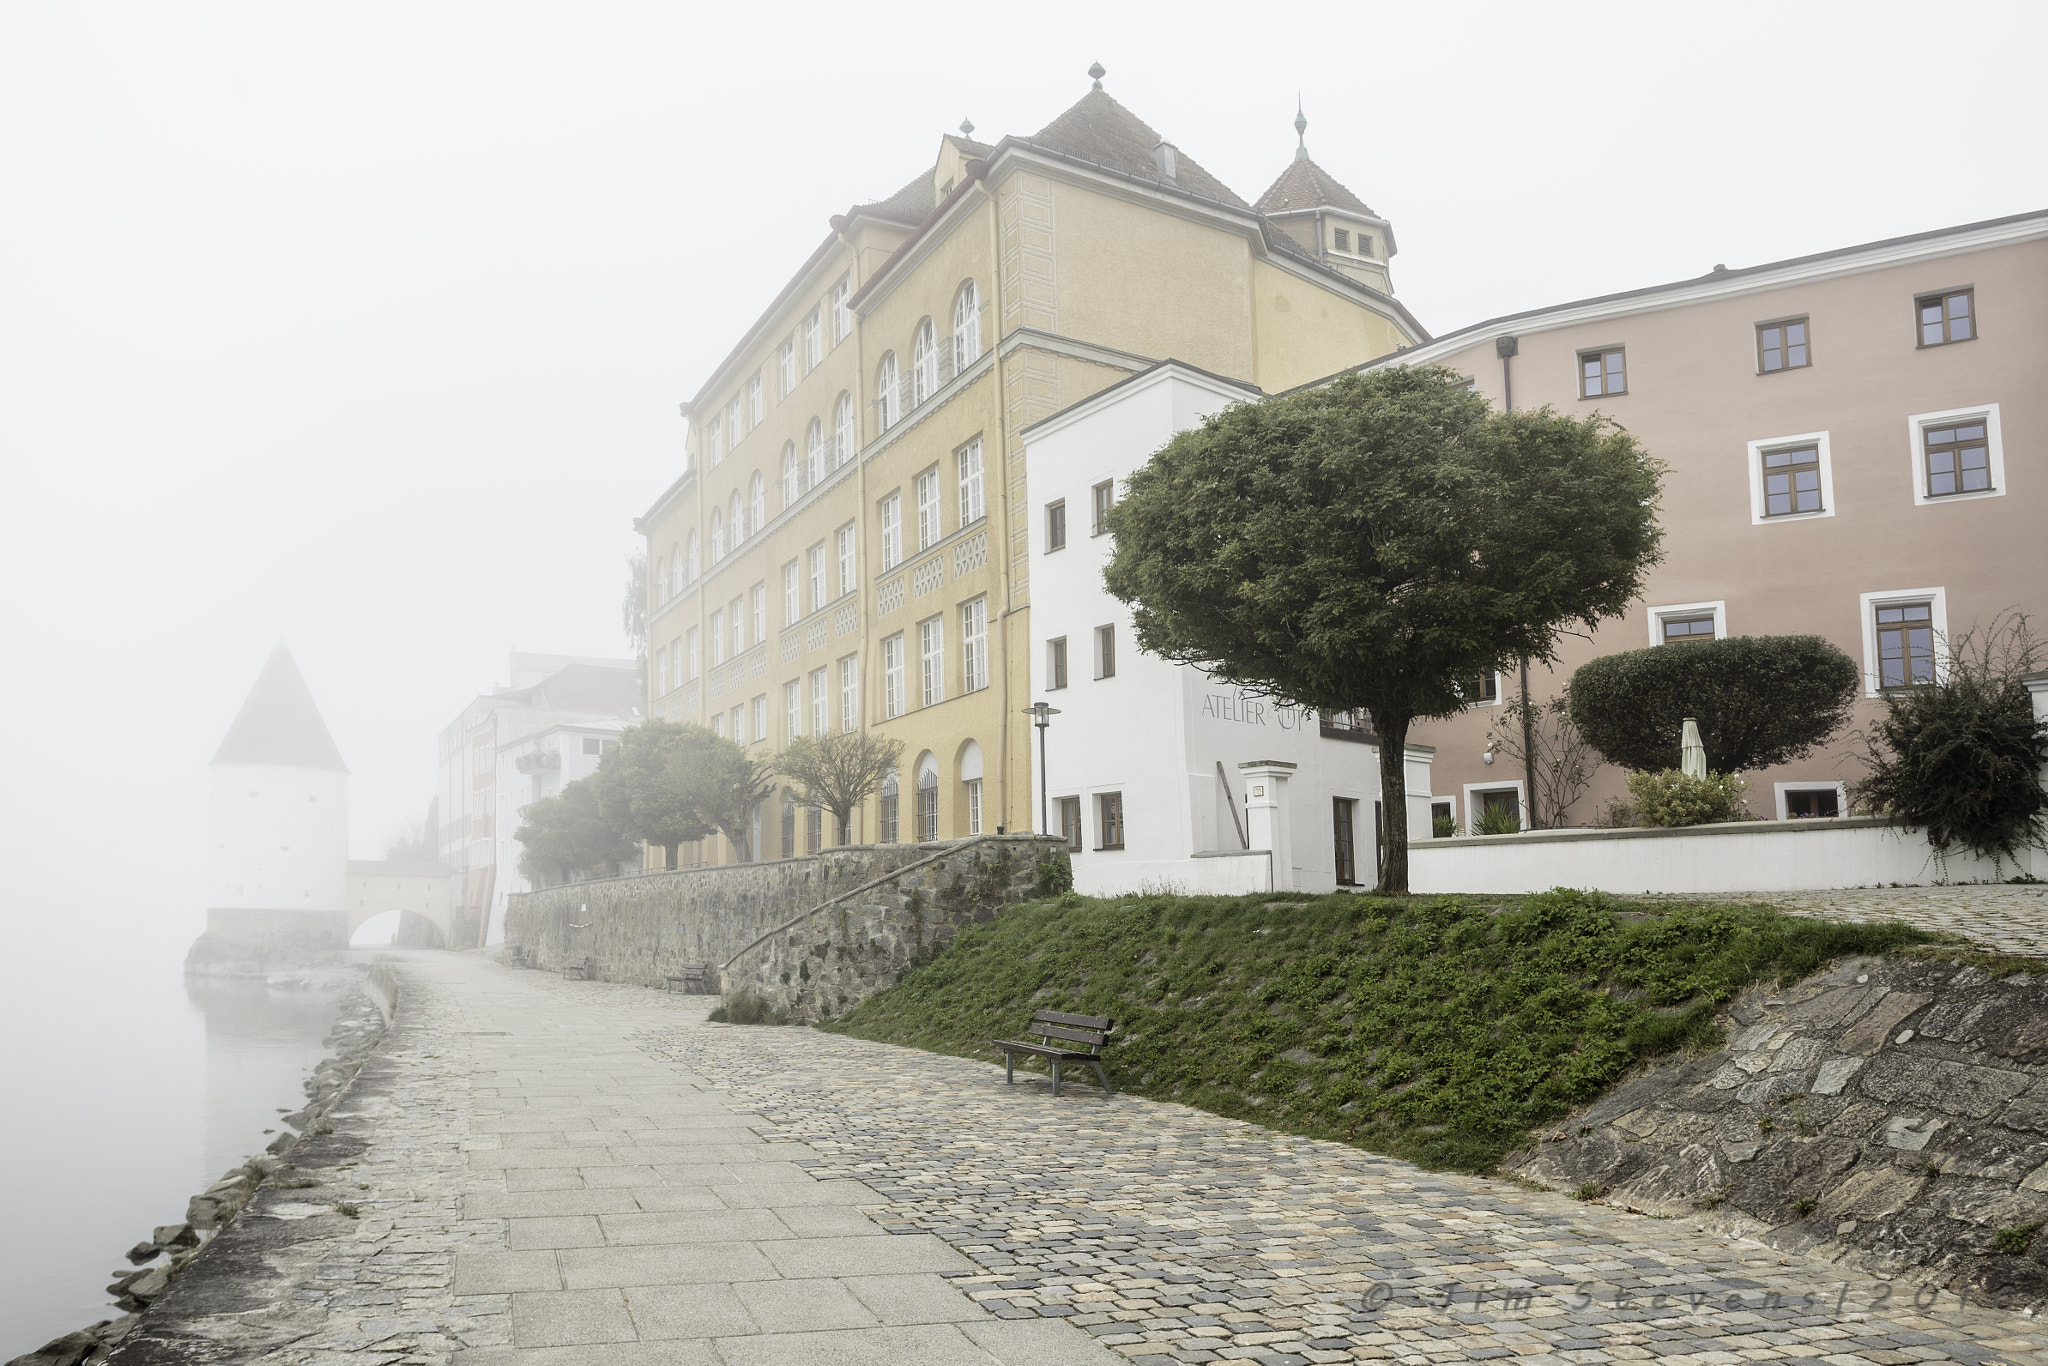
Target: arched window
(676, 573)
(970, 782)
(886, 827)
(814, 451)
(888, 402)
(736, 521)
(661, 582)
(790, 487)
(844, 434)
(717, 536)
(927, 799)
(690, 558)
(757, 494)
(924, 363)
(966, 327)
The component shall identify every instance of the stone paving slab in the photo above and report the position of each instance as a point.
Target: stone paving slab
(2005, 918)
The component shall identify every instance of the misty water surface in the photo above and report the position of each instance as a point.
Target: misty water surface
(127, 1090)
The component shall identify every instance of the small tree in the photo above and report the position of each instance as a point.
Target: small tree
(1961, 757)
(567, 836)
(720, 784)
(1556, 751)
(1759, 700)
(1377, 541)
(640, 790)
(841, 771)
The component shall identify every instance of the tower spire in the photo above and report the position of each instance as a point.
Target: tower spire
(1300, 131)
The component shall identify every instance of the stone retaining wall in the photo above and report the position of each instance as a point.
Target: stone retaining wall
(1892, 1114)
(811, 936)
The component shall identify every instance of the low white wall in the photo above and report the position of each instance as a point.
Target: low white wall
(1230, 873)
(1745, 856)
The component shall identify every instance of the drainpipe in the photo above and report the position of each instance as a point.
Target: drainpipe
(1505, 348)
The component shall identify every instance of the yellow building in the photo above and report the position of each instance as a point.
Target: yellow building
(847, 546)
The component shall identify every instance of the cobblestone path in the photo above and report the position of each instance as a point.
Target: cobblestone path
(2009, 918)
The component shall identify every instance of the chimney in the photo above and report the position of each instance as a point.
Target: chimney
(1167, 158)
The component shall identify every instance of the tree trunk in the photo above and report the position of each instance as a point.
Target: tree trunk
(1393, 733)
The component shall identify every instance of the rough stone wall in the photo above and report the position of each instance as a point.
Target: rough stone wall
(895, 900)
(860, 943)
(1892, 1114)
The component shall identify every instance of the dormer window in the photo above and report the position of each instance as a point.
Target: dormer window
(1364, 244)
(1343, 240)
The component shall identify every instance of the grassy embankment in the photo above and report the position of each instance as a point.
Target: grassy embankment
(1437, 1029)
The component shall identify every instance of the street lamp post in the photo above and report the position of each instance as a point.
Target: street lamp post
(1041, 714)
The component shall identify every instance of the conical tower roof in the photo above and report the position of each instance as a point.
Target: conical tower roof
(279, 724)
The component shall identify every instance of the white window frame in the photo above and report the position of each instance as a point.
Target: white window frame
(792, 595)
(1841, 791)
(785, 367)
(718, 724)
(849, 693)
(761, 716)
(757, 502)
(755, 407)
(758, 605)
(792, 484)
(924, 363)
(1499, 691)
(930, 519)
(821, 717)
(814, 454)
(661, 672)
(845, 431)
(974, 645)
(814, 339)
(973, 502)
(718, 637)
(733, 412)
(817, 568)
(842, 310)
(1867, 605)
(847, 579)
(739, 723)
(892, 676)
(1756, 477)
(691, 636)
(1916, 443)
(739, 627)
(931, 654)
(793, 708)
(1471, 790)
(1096, 639)
(973, 786)
(892, 530)
(1689, 609)
(966, 326)
(714, 441)
(888, 398)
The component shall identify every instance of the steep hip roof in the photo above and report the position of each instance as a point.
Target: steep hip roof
(1305, 185)
(1098, 128)
(279, 723)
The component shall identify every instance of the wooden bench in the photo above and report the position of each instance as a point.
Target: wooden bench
(688, 978)
(1051, 1025)
(582, 970)
(518, 956)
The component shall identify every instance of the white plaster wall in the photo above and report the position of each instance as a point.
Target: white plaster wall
(280, 838)
(1749, 856)
(514, 791)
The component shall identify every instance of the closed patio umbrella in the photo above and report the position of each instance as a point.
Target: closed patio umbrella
(1692, 755)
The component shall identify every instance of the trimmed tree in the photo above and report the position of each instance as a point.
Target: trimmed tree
(841, 771)
(567, 835)
(1759, 700)
(640, 791)
(1378, 541)
(721, 785)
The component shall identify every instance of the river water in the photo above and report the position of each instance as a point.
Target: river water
(128, 1088)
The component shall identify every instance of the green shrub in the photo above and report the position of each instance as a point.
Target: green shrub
(1618, 814)
(1759, 700)
(2014, 1242)
(1498, 820)
(1670, 798)
(1443, 827)
(1055, 875)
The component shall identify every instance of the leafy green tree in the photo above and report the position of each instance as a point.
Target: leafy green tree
(641, 789)
(1759, 700)
(841, 771)
(566, 836)
(1378, 541)
(721, 785)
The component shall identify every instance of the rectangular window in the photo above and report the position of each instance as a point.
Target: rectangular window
(1344, 819)
(1354, 725)
(814, 340)
(1946, 317)
(792, 600)
(1791, 481)
(1812, 803)
(1056, 525)
(785, 367)
(788, 827)
(1364, 244)
(973, 786)
(931, 640)
(759, 597)
(892, 676)
(1905, 644)
(1105, 497)
(793, 709)
(1677, 630)
(1105, 652)
(739, 723)
(1343, 240)
(590, 744)
(1602, 372)
(1070, 823)
(661, 671)
(718, 637)
(714, 441)
(1781, 346)
(928, 508)
(892, 531)
(1056, 663)
(692, 638)
(842, 311)
(927, 807)
(754, 407)
(817, 576)
(972, 508)
(974, 645)
(849, 693)
(814, 829)
(733, 426)
(1958, 459)
(718, 724)
(739, 626)
(761, 717)
(846, 580)
(820, 703)
(1109, 819)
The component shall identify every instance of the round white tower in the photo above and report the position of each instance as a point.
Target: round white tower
(280, 819)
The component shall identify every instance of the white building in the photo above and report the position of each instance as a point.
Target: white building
(531, 767)
(1158, 776)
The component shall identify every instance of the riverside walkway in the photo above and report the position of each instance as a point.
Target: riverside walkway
(547, 1173)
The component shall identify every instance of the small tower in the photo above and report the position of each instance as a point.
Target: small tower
(1311, 206)
(280, 820)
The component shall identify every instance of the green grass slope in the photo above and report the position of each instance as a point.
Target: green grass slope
(1436, 1029)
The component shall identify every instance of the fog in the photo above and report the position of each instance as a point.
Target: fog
(365, 326)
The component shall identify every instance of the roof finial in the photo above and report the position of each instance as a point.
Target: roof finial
(1098, 73)
(1300, 131)
(967, 128)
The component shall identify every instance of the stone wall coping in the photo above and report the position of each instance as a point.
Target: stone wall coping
(945, 850)
(1233, 853)
(1804, 826)
(706, 868)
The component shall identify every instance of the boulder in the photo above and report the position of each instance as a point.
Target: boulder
(142, 1252)
(174, 1235)
(202, 1212)
(68, 1350)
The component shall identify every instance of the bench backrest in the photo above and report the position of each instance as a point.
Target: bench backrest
(690, 970)
(1093, 1030)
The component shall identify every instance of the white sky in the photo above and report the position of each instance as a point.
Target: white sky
(365, 325)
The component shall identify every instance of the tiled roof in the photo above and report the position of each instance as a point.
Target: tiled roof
(911, 204)
(279, 723)
(1101, 130)
(1305, 185)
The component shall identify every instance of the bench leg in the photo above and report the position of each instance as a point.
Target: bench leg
(1009, 1068)
(1103, 1077)
(1055, 1076)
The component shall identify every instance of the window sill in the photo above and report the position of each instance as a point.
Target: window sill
(1107, 848)
(1767, 519)
(1590, 398)
(1952, 341)
(1968, 496)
